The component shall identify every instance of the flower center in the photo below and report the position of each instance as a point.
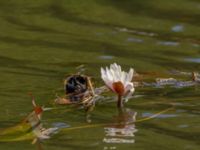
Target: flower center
(119, 88)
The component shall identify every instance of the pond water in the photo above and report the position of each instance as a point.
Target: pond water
(41, 42)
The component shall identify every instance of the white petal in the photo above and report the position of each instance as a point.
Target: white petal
(128, 96)
(116, 70)
(108, 74)
(114, 74)
(116, 66)
(119, 72)
(123, 78)
(110, 85)
(130, 74)
(103, 74)
(112, 66)
(129, 87)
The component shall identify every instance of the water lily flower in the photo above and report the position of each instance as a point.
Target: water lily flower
(118, 81)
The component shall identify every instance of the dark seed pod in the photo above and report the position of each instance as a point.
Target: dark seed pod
(75, 87)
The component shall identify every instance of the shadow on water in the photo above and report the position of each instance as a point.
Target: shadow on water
(57, 11)
(104, 47)
(29, 26)
(22, 64)
(145, 8)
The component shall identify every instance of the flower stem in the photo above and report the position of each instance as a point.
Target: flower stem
(119, 102)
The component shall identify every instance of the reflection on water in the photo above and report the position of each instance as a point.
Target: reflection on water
(124, 129)
(171, 82)
(147, 114)
(136, 40)
(60, 125)
(177, 28)
(168, 43)
(38, 130)
(195, 60)
(195, 45)
(182, 84)
(183, 126)
(163, 81)
(106, 57)
(136, 32)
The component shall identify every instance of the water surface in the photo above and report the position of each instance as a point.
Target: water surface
(41, 42)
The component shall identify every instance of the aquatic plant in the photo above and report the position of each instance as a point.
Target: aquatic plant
(118, 81)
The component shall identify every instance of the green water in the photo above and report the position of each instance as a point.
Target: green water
(42, 41)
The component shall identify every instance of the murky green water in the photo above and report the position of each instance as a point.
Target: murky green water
(43, 41)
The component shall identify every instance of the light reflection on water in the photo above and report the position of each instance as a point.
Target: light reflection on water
(168, 43)
(147, 114)
(60, 125)
(124, 132)
(183, 126)
(136, 40)
(172, 82)
(151, 34)
(106, 57)
(195, 60)
(177, 28)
